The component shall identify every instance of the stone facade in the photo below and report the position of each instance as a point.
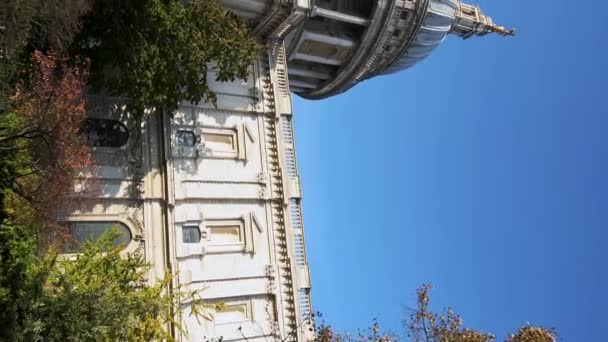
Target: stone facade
(239, 186)
(212, 195)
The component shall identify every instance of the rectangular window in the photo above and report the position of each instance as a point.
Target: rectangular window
(211, 142)
(225, 235)
(191, 234)
(231, 235)
(186, 143)
(233, 313)
(185, 138)
(221, 142)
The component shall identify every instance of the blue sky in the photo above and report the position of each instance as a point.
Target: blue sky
(483, 171)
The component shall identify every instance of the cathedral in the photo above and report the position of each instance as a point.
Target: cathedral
(211, 193)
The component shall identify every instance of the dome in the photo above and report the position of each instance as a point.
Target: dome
(338, 43)
(436, 25)
(349, 46)
(332, 45)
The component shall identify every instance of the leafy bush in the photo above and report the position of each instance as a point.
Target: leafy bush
(100, 295)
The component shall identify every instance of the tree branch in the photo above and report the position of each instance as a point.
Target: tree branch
(24, 133)
(424, 329)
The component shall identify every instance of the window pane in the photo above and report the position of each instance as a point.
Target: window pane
(105, 133)
(82, 231)
(185, 138)
(191, 234)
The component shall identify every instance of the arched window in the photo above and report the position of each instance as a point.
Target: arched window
(105, 133)
(82, 231)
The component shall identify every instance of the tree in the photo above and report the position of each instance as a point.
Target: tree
(157, 52)
(426, 326)
(40, 154)
(325, 333)
(41, 150)
(41, 24)
(30, 25)
(423, 325)
(18, 278)
(101, 295)
(532, 334)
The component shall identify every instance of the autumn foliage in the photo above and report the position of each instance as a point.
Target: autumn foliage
(40, 138)
(424, 325)
(533, 334)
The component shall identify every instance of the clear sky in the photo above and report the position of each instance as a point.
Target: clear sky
(483, 170)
